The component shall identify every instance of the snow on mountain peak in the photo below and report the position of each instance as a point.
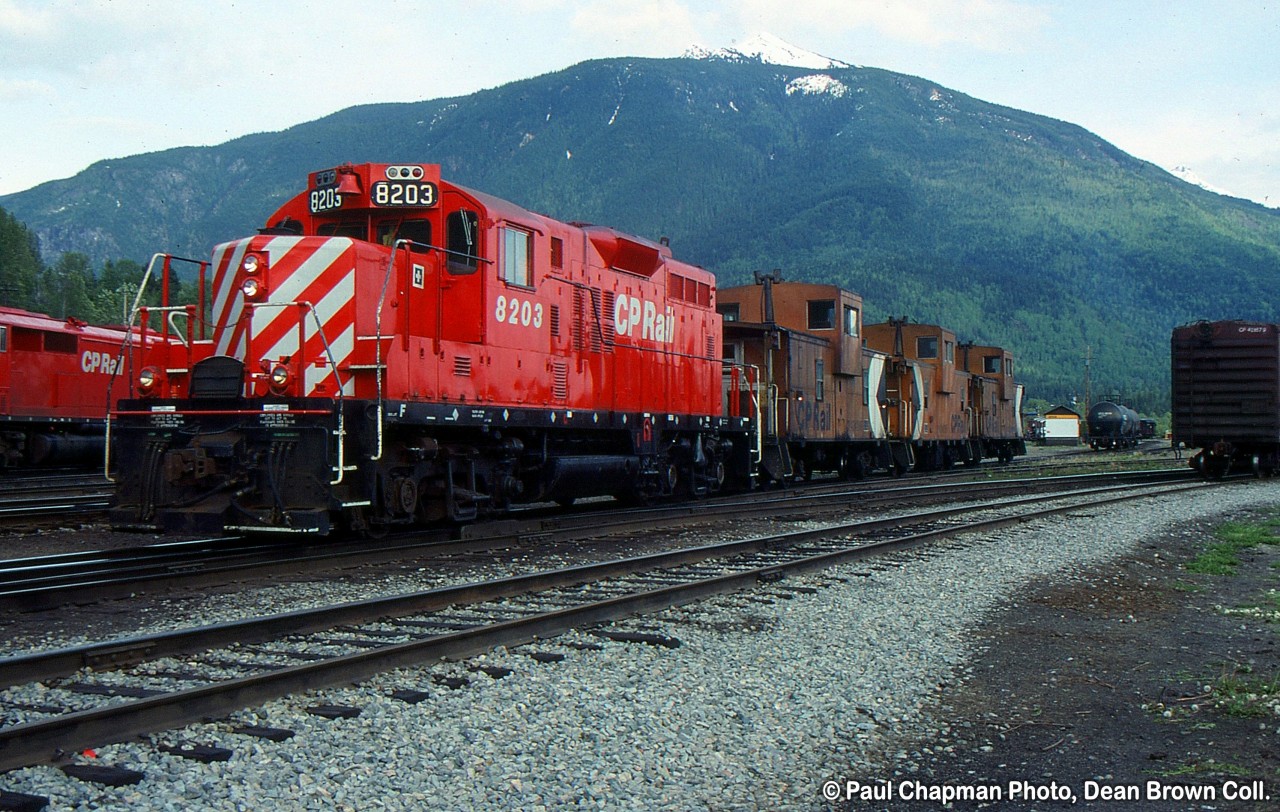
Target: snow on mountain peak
(1186, 174)
(770, 50)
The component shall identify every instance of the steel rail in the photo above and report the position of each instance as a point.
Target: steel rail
(44, 740)
(46, 582)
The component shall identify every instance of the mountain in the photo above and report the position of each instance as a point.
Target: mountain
(1012, 228)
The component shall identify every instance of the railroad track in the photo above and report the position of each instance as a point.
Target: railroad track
(46, 582)
(36, 497)
(157, 682)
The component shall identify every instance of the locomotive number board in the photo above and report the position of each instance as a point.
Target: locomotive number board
(403, 193)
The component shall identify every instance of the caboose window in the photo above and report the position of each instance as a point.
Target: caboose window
(991, 364)
(927, 347)
(730, 311)
(822, 314)
(850, 321)
(515, 257)
(4, 338)
(463, 237)
(951, 352)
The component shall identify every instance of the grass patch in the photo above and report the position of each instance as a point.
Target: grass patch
(1222, 556)
(1246, 696)
(1204, 768)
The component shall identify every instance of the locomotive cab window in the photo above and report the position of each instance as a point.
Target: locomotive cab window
(355, 229)
(927, 347)
(515, 257)
(462, 229)
(4, 338)
(822, 314)
(419, 231)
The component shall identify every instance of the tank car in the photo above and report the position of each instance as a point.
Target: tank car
(995, 400)
(1111, 426)
(54, 379)
(1226, 395)
(820, 410)
(395, 348)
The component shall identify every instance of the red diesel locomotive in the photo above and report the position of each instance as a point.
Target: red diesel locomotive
(395, 348)
(54, 380)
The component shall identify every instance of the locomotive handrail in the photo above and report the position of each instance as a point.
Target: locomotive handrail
(125, 355)
(337, 374)
(750, 376)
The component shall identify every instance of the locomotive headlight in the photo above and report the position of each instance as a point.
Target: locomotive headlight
(147, 379)
(279, 376)
(251, 264)
(252, 288)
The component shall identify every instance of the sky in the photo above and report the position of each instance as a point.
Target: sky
(1180, 83)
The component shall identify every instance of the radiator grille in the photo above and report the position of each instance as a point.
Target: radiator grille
(560, 380)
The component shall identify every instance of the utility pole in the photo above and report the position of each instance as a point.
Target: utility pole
(1088, 357)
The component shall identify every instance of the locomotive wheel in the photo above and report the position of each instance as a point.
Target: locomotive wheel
(406, 495)
(671, 477)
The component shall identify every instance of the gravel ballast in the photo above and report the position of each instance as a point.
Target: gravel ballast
(768, 696)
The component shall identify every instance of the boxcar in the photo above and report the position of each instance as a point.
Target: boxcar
(1226, 394)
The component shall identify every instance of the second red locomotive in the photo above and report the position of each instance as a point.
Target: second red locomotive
(54, 378)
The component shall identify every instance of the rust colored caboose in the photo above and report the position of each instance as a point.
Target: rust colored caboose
(927, 393)
(820, 409)
(393, 347)
(995, 401)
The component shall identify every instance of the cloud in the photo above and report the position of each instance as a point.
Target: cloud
(642, 27)
(25, 90)
(983, 24)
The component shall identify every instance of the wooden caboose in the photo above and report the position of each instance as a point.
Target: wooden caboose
(928, 392)
(995, 401)
(821, 389)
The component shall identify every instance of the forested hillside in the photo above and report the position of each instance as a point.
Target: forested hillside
(1012, 228)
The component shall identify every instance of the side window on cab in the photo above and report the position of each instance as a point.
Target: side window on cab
(463, 241)
(515, 257)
